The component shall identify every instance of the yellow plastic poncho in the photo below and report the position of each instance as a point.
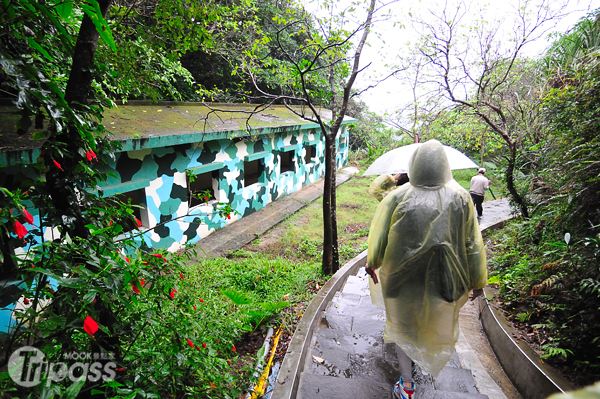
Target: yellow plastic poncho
(426, 243)
(381, 185)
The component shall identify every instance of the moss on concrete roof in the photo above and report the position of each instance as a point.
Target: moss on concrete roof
(145, 120)
(133, 120)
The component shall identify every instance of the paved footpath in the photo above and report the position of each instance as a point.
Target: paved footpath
(348, 358)
(351, 360)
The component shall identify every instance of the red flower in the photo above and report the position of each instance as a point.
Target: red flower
(58, 165)
(138, 223)
(190, 343)
(135, 289)
(172, 294)
(127, 259)
(90, 326)
(159, 256)
(233, 348)
(91, 155)
(26, 301)
(201, 300)
(194, 307)
(19, 229)
(27, 216)
(228, 216)
(120, 369)
(181, 275)
(206, 199)
(204, 344)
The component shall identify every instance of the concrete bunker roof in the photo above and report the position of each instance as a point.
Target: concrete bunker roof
(142, 124)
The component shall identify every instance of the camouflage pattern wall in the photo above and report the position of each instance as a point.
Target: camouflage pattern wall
(159, 179)
(159, 174)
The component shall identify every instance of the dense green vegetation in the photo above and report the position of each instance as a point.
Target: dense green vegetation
(547, 266)
(533, 123)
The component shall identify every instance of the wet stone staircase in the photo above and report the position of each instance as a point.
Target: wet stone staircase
(349, 360)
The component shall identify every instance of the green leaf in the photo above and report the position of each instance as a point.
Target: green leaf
(90, 296)
(33, 44)
(237, 297)
(69, 282)
(72, 391)
(261, 352)
(63, 8)
(275, 305)
(95, 14)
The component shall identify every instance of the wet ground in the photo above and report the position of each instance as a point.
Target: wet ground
(348, 358)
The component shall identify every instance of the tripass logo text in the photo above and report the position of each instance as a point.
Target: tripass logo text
(28, 366)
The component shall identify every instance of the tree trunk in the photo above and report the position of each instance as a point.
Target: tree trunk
(64, 196)
(510, 185)
(80, 78)
(330, 263)
(335, 264)
(481, 150)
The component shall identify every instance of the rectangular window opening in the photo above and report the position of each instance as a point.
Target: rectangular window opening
(311, 153)
(252, 171)
(201, 188)
(137, 199)
(287, 161)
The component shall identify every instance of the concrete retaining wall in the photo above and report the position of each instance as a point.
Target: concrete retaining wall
(532, 378)
(286, 385)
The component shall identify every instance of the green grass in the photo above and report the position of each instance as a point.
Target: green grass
(218, 304)
(355, 209)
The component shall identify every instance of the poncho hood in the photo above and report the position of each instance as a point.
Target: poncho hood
(429, 167)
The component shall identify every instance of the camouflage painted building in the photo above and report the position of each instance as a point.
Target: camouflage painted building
(172, 151)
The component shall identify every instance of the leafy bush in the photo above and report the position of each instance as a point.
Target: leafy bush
(549, 283)
(175, 323)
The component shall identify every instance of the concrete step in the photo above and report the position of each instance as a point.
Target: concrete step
(348, 358)
(313, 386)
(426, 393)
(452, 379)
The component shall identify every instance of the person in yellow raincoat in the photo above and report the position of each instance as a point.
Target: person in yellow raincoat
(380, 187)
(427, 248)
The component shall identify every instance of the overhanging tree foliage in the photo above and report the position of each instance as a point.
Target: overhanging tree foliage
(485, 77)
(61, 63)
(318, 73)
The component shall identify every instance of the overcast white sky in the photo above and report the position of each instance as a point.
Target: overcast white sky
(390, 95)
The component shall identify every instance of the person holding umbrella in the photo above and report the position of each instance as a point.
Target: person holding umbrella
(427, 248)
(479, 184)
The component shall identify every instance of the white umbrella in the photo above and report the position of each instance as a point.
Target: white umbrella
(396, 160)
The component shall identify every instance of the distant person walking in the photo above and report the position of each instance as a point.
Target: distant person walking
(479, 184)
(426, 246)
